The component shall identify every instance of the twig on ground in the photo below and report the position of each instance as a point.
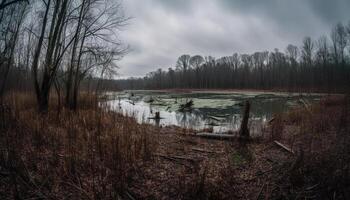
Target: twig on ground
(283, 147)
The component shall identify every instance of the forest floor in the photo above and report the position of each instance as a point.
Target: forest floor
(185, 166)
(93, 153)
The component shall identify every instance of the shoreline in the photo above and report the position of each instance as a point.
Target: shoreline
(233, 91)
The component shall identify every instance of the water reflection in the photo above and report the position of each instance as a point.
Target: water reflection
(196, 119)
(221, 112)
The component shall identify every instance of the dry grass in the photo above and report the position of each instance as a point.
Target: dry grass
(96, 154)
(319, 169)
(320, 136)
(87, 154)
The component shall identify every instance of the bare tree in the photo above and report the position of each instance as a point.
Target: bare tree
(323, 56)
(340, 37)
(35, 63)
(292, 53)
(183, 62)
(94, 35)
(74, 61)
(10, 29)
(54, 53)
(313, 68)
(5, 3)
(323, 49)
(196, 61)
(307, 51)
(339, 40)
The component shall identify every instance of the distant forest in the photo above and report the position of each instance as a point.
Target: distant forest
(321, 65)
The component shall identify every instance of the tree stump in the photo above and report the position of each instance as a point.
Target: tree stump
(157, 115)
(244, 131)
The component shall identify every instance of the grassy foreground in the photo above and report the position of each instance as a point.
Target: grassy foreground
(97, 154)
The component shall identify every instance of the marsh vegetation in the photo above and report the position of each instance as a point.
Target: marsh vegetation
(244, 126)
(219, 111)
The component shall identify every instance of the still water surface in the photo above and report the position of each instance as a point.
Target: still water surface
(218, 110)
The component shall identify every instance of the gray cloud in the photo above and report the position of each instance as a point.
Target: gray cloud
(162, 30)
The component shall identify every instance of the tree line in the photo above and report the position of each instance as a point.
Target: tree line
(318, 65)
(57, 45)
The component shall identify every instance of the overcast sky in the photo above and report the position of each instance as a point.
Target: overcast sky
(162, 30)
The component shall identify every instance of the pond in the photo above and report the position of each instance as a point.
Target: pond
(216, 110)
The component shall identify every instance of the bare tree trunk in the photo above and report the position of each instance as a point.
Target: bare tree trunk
(5, 3)
(77, 73)
(37, 54)
(13, 42)
(70, 99)
(244, 131)
(50, 67)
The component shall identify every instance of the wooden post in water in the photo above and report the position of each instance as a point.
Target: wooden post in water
(157, 116)
(244, 131)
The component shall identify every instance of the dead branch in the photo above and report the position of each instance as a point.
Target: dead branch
(217, 136)
(260, 191)
(283, 147)
(206, 151)
(175, 157)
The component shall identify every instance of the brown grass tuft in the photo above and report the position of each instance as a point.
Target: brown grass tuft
(322, 135)
(87, 154)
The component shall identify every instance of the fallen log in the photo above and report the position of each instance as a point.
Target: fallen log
(305, 104)
(284, 147)
(260, 191)
(180, 162)
(212, 124)
(216, 118)
(129, 196)
(271, 120)
(187, 106)
(175, 157)
(206, 151)
(218, 136)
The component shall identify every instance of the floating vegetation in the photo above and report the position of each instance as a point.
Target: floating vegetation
(200, 110)
(186, 106)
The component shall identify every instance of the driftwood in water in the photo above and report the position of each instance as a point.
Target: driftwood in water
(283, 147)
(187, 106)
(156, 116)
(244, 131)
(216, 118)
(131, 102)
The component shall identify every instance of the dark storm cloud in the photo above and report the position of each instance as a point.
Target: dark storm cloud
(162, 30)
(331, 11)
(293, 12)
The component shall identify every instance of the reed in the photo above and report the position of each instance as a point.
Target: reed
(90, 153)
(320, 136)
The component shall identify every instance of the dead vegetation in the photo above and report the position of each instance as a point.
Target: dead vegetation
(320, 137)
(88, 154)
(96, 154)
